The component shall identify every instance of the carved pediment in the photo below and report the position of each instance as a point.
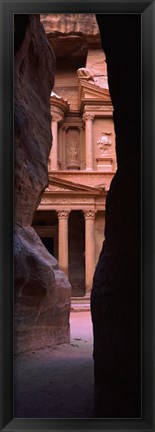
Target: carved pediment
(54, 188)
(90, 94)
(57, 185)
(100, 186)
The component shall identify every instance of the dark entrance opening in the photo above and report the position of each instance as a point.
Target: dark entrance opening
(49, 244)
(76, 241)
(45, 223)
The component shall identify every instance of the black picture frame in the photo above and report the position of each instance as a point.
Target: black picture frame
(7, 9)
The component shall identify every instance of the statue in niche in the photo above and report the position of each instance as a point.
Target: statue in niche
(73, 153)
(104, 143)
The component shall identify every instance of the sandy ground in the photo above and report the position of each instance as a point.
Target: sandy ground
(58, 382)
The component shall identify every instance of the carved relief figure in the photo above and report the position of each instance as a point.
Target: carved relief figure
(73, 151)
(104, 143)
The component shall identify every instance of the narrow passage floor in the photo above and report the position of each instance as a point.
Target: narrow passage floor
(58, 382)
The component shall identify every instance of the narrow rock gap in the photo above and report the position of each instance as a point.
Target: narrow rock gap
(115, 300)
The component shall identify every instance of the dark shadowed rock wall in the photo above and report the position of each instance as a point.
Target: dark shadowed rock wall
(42, 291)
(116, 293)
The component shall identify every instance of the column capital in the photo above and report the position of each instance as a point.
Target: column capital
(56, 118)
(65, 127)
(56, 113)
(88, 116)
(63, 214)
(89, 214)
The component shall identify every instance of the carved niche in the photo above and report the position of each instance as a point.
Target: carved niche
(73, 148)
(71, 144)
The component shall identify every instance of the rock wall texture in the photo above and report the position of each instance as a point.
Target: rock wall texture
(42, 291)
(76, 41)
(33, 79)
(116, 293)
(72, 33)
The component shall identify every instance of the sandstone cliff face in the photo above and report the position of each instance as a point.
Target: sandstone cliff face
(75, 39)
(72, 34)
(42, 291)
(33, 79)
(42, 302)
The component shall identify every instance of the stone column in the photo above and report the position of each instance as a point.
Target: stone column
(53, 158)
(63, 240)
(89, 248)
(64, 157)
(82, 156)
(88, 118)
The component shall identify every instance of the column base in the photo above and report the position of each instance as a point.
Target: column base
(80, 304)
(89, 169)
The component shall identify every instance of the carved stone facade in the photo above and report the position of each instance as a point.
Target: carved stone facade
(82, 162)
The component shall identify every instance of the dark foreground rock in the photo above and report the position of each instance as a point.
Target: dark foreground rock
(42, 291)
(42, 302)
(116, 293)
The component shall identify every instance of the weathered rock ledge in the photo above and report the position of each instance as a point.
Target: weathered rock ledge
(71, 34)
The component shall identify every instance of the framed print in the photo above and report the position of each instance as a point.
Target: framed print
(77, 239)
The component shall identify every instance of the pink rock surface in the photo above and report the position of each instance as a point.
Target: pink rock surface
(71, 33)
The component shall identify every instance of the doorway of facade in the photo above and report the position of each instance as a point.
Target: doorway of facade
(49, 244)
(45, 224)
(76, 258)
